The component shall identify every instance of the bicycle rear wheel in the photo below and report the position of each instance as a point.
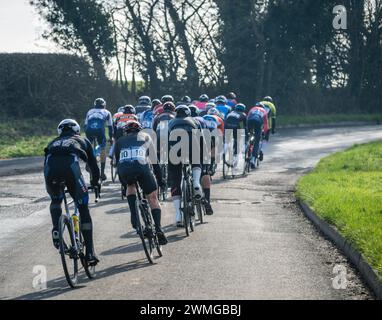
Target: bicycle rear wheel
(68, 251)
(90, 271)
(147, 240)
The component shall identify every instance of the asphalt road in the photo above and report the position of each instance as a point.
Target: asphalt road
(258, 245)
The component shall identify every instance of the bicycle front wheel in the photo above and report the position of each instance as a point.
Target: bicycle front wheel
(68, 251)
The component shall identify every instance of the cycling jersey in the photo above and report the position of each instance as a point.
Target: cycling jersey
(201, 105)
(146, 119)
(164, 117)
(96, 119)
(224, 109)
(211, 122)
(231, 103)
(271, 107)
(134, 164)
(236, 120)
(259, 113)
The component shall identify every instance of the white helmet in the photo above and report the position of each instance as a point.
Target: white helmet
(69, 124)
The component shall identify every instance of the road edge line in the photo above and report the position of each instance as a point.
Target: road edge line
(368, 274)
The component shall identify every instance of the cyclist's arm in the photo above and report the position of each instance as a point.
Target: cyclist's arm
(92, 161)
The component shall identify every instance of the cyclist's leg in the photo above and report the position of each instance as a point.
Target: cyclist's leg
(175, 175)
(57, 197)
(101, 140)
(126, 176)
(206, 185)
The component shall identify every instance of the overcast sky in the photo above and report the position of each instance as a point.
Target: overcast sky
(21, 28)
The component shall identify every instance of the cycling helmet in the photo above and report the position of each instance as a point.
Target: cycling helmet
(221, 100)
(145, 101)
(132, 126)
(241, 107)
(214, 112)
(232, 96)
(204, 98)
(129, 109)
(167, 98)
(187, 100)
(156, 102)
(100, 103)
(120, 109)
(183, 111)
(268, 99)
(210, 105)
(169, 107)
(195, 112)
(68, 125)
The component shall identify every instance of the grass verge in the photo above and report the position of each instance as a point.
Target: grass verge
(345, 189)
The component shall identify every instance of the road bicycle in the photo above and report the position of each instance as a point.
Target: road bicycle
(146, 228)
(71, 243)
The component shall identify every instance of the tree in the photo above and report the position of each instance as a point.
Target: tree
(81, 26)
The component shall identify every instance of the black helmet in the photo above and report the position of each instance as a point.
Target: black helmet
(167, 98)
(183, 111)
(129, 109)
(100, 103)
(187, 100)
(169, 107)
(132, 126)
(195, 112)
(232, 96)
(144, 101)
(204, 98)
(156, 102)
(268, 99)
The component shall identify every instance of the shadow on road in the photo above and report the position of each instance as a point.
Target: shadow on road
(59, 286)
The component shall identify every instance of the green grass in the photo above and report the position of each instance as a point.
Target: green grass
(25, 138)
(346, 190)
(324, 119)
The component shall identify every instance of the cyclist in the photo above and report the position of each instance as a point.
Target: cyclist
(206, 174)
(232, 99)
(95, 122)
(184, 121)
(203, 100)
(62, 165)
(219, 117)
(272, 113)
(147, 118)
(257, 124)
(144, 104)
(167, 115)
(210, 105)
(236, 120)
(134, 165)
(221, 105)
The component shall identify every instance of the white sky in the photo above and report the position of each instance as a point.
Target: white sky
(21, 28)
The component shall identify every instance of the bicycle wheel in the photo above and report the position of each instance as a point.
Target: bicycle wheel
(113, 171)
(68, 251)
(90, 271)
(185, 208)
(191, 204)
(146, 239)
(225, 168)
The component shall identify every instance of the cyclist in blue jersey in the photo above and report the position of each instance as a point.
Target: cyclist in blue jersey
(96, 120)
(232, 100)
(221, 105)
